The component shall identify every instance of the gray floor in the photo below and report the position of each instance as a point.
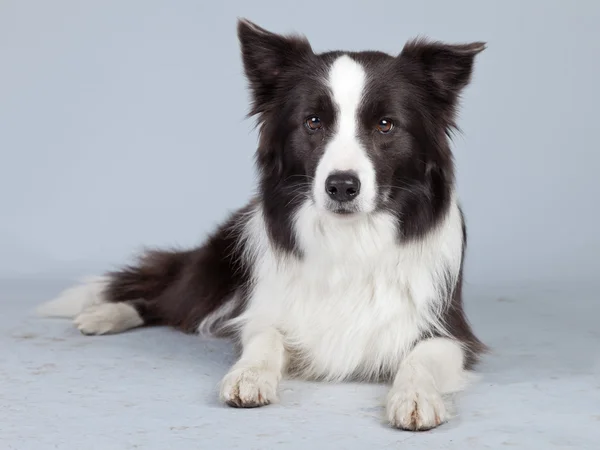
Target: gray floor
(156, 388)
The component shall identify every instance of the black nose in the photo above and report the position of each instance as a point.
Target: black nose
(342, 186)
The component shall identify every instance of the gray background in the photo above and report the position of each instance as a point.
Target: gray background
(122, 125)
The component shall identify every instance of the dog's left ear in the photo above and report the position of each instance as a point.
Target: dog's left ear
(267, 57)
(447, 67)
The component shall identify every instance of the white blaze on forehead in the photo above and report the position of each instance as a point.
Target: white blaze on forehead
(345, 151)
(347, 81)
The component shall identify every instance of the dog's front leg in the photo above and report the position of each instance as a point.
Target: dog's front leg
(254, 379)
(434, 368)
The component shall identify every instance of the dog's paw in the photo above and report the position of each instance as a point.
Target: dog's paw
(249, 387)
(107, 318)
(416, 408)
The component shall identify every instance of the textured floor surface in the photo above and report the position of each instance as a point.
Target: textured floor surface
(156, 388)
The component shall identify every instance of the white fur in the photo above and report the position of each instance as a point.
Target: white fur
(357, 301)
(345, 152)
(75, 299)
(253, 380)
(211, 324)
(432, 369)
(86, 304)
(107, 318)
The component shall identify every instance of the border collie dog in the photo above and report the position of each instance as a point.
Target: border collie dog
(347, 264)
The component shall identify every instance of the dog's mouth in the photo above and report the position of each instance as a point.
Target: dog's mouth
(343, 209)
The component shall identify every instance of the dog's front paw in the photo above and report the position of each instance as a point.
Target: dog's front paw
(249, 387)
(416, 408)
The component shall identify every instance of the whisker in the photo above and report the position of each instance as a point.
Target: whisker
(402, 188)
(296, 197)
(308, 177)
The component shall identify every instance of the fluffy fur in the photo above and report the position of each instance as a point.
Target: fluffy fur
(348, 263)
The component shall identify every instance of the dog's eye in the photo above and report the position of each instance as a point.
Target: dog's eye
(385, 126)
(314, 123)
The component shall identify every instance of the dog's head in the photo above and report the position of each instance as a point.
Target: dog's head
(355, 132)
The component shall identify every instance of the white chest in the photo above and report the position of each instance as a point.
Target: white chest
(338, 320)
(353, 305)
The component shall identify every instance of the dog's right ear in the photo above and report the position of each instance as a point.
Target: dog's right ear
(267, 57)
(447, 67)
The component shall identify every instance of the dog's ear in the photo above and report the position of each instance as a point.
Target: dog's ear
(447, 67)
(267, 57)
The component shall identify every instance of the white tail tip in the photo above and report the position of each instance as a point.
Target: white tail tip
(72, 301)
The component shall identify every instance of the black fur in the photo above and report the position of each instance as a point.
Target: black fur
(180, 288)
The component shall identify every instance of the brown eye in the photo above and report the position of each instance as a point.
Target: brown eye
(385, 126)
(314, 123)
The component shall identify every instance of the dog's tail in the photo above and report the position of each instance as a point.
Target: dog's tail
(122, 299)
(193, 290)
